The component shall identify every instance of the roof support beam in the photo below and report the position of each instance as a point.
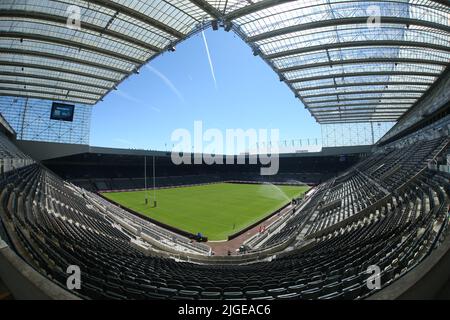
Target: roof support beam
(311, 104)
(362, 92)
(363, 61)
(373, 110)
(363, 119)
(366, 43)
(264, 4)
(318, 112)
(346, 21)
(359, 84)
(47, 85)
(139, 16)
(356, 121)
(342, 115)
(62, 58)
(57, 69)
(68, 95)
(357, 111)
(44, 77)
(44, 96)
(360, 119)
(70, 43)
(86, 26)
(209, 9)
(361, 116)
(357, 104)
(365, 73)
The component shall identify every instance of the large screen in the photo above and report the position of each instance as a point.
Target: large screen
(63, 112)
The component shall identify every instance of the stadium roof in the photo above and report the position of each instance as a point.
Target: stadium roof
(346, 60)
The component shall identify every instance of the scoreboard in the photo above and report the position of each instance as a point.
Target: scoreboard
(62, 112)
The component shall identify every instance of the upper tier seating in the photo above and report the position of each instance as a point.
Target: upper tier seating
(11, 157)
(357, 190)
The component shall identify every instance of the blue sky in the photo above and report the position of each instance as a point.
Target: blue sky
(178, 88)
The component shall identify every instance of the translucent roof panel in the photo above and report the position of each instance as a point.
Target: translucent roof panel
(330, 53)
(362, 95)
(38, 89)
(44, 96)
(334, 53)
(381, 87)
(53, 64)
(88, 45)
(48, 83)
(361, 102)
(334, 57)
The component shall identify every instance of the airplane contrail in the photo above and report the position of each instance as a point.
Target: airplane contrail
(155, 109)
(127, 96)
(167, 82)
(209, 59)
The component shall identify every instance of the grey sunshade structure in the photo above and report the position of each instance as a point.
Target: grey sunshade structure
(346, 60)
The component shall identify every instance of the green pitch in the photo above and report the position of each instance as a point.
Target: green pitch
(215, 210)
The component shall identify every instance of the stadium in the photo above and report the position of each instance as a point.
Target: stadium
(360, 213)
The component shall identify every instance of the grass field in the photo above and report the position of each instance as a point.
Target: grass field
(215, 210)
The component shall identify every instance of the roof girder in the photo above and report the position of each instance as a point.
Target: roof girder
(315, 112)
(359, 84)
(264, 4)
(71, 43)
(36, 76)
(362, 92)
(311, 104)
(343, 113)
(46, 85)
(261, 5)
(87, 26)
(209, 9)
(139, 16)
(62, 58)
(363, 61)
(346, 119)
(375, 120)
(44, 96)
(356, 105)
(57, 69)
(346, 21)
(366, 43)
(69, 95)
(364, 73)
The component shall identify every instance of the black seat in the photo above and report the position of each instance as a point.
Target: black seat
(154, 296)
(255, 293)
(297, 288)
(233, 294)
(289, 296)
(188, 294)
(167, 291)
(331, 287)
(352, 292)
(311, 294)
(134, 294)
(210, 295)
(114, 295)
(332, 295)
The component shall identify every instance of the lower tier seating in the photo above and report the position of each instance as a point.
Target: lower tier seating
(54, 227)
